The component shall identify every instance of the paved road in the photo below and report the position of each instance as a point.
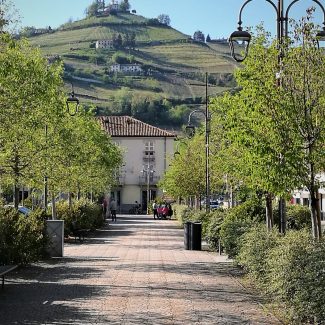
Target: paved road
(134, 271)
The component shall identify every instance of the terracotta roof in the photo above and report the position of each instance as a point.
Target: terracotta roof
(126, 126)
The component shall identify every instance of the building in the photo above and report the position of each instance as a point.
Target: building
(302, 196)
(126, 68)
(105, 44)
(146, 151)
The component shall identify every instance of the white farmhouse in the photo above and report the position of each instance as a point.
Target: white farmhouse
(147, 150)
(104, 44)
(126, 68)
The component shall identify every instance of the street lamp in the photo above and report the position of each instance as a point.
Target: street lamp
(190, 130)
(282, 30)
(148, 171)
(72, 103)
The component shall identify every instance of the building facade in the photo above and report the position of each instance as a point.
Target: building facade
(105, 44)
(146, 150)
(126, 68)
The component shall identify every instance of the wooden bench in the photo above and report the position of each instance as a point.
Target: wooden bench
(5, 269)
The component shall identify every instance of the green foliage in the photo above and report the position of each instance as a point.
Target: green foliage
(183, 213)
(296, 277)
(298, 217)
(214, 226)
(22, 238)
(254, 251)
(237, 222)
(86, 214)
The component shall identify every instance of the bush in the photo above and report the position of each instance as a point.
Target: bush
(22, 239)
(297, 278)
(237, 222)
(183, 213)
(298, 217)
(88, 215)
(214, 226)
(254, 251)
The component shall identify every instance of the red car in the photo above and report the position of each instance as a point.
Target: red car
(162, 212)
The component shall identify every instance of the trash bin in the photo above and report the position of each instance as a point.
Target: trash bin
(187, 234)
(195, 236)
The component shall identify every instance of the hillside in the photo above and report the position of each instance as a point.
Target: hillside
(173, 65)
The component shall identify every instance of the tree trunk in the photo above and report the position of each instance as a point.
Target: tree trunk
(269, 211)
(16, 196)
(70, 200)
(316, 226)
(282, 216)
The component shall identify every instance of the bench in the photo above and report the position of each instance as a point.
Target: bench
(5, 269)
(79, 232)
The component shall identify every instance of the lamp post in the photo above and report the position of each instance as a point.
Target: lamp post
(191, 129)
(72, 103)
(282, 27)
(148, 171)
(282, 16)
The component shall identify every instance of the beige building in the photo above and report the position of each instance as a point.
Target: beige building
(147, 150)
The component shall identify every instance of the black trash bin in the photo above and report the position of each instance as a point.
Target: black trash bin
(196, 236)
(187, 234)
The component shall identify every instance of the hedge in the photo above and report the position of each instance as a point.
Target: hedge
(22, 239)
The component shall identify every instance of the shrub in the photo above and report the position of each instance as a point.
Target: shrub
(297, 278)
(298, 217)
(183, 213)
(237, 221)
(254, 251)
(22, 239)
(214, 226)
(88, 215)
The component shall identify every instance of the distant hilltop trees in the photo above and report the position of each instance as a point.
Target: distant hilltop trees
(100, 8)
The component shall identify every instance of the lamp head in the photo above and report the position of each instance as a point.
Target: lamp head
(72, 104)
(190, 130)
(237, 37)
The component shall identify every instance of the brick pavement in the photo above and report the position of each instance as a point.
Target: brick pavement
(134, 271)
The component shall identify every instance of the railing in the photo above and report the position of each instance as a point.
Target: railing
(153, 180)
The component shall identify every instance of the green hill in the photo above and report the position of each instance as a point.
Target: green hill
(173, 65)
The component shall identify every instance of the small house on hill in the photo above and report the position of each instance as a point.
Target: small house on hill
(105, 44)
(126, 68)
(146, 149)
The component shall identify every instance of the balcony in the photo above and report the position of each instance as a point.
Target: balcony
(144, 181)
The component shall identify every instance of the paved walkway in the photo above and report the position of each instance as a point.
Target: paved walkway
(135, 271)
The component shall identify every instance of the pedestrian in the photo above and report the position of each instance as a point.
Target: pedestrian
(170, 210)
(154, 208)
(113, 207)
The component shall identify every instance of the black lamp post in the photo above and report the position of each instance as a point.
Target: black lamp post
(190, 130)
(282, 27)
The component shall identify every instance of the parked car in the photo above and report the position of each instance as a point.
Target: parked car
(21, 209)
(214, 205)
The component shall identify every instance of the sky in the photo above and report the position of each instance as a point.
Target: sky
(218, 18)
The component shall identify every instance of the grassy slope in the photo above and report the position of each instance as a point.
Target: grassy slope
(175, 58)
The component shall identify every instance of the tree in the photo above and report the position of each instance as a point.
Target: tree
(38, 138)
(93, 9)
(274, 139)
(8, 16)
(199, 36)
(208, 39)
(125, 5)
(164, 19)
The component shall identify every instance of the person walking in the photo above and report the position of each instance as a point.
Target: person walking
(154, 208)
(113, 208)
